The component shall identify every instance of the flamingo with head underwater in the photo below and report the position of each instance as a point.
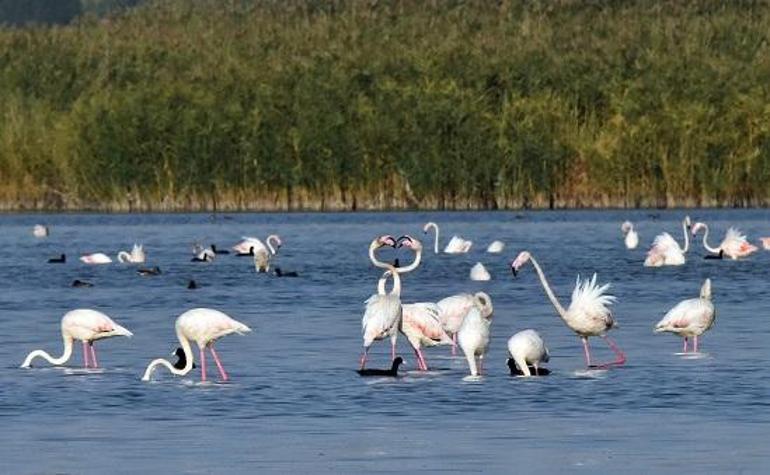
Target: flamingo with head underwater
(87, 326)
(588, 313)
(204, 326)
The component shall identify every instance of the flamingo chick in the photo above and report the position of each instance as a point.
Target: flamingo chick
(473, 338)
(87, 326)
(204, 326)
(632, 238)
(527, 348)
(588, 313)
(690, 318)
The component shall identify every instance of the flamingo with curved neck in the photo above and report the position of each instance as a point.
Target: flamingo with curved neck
(456, 245)
(587, 314)
(204, 326)
(425, 229)
(380, 242)
(734, 245)
(410, 243)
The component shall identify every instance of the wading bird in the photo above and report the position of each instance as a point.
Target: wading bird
(527, 349)
(690, 318)
(665, 251)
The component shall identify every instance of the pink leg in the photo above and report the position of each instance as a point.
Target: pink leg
(203, 365)
(219, 363)
(93, 354)
(454, 346)
(586, 351)
(481, 365)
(363, 357)
(421, 359)
(695, 344)
(620, 356)
(85, 355)
(685, 345)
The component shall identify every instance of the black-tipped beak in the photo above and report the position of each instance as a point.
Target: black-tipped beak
(401, 239)
(513, 271)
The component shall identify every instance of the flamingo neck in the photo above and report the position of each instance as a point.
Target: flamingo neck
(686, 237)
(123, 256)
(435, 240)
(54, 361)
(186, 348)
(269, 240)
(413, 265)
(705, 243)
(548, 291)
(373, 258)
(396, 282)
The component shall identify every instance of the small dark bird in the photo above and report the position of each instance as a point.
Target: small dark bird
(279, 273)
(149, 271)
(396, 264)
(392, 372)
(81, 283)
(182, 361)
(219, 251)
(192, 285)
(58, 260)
(721, 255)
(515, 371)
(244, 254)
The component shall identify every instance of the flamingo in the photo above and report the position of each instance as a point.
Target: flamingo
(632, 238)
(251, 245)
(456, 245)
(733, 245)
(382, 316)
(40, 231)
(473, 338)
(203, 254)
(587, 314)
(765, 243)
(690, 318)
(665, 251)
(96, 258)
(204, 326)
(496, 247)
(87, 326)
(136, 256)
(455, 308)
(479, 272)
(527, 348)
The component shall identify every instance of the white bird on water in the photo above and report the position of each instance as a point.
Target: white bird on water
(527, 348)
(251, 245)
(87, 326)
(456, 245)
(479, 272)
(473, 338)
(632, 238)
(665, 251)
(690, 318)
(734, 245)
(96, 258)
(204, 326)
(136, 256)
(496, 247)
(588, 313)
(40, 231)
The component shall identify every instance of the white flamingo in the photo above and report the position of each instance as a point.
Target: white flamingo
(690, 318)
(455, 308)
(456, 245)
(665, 251)
(87, 326)
(40, 231)
(632, 238)
(382, 316)
(136, 256)
(765, 243)
(473, 338)
(204, 326)
(587, 314)
(479, 272)
(496, 247)
(252, 245)
(96, 258)
(527, 348)
(734, 245)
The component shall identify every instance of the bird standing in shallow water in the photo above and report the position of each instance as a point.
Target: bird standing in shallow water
(690, 318)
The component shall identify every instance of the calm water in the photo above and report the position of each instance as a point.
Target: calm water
(295, 403)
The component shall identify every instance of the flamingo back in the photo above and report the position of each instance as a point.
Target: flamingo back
(381, 317)
(204, 325)
(735, 244)
(588, 312)
(453, 310)
(421, 323)
(689, 317)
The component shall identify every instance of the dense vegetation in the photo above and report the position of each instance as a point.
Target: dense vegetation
(351, 104)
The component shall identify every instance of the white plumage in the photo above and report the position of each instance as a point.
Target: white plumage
(527, 348)
(479, 272)
(96, 258)
(496, 247)
(421, 325)
(473, 338)
(665, 251)
(690, 318)
(632, 238)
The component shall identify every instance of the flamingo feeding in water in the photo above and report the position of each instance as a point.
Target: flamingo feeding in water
(480, 273)
(455, 308)
(587, 314)
(473, 338)
(690, 318)
(456, 245)
(734, 245)
(496, 247)
(87, 326)
(632, 238)
(665, 251)
(204, 326)
(526, 349)
(96, 258)
(136, 256)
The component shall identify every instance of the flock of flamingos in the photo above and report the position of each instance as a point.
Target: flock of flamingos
(459, 320)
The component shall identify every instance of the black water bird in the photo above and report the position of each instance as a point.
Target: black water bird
(515, 371)
(81, 283)
(721, 255)
(182, 361)
(244, 254)
(392, 372)
(149, 271)
(219, 251)
(58, 260)
(279, 273)
(192, 285)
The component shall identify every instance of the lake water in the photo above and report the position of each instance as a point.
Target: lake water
(295, 403)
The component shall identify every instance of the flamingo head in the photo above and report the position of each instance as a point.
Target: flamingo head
(687, 222)
(626, 227)
(697, 227)
(520, 260)
(278, 242)
(428, 226)
(384, 240)
(705, 290)
(409, 242)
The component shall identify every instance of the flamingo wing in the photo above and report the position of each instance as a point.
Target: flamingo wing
(424, 319)
(591, 303)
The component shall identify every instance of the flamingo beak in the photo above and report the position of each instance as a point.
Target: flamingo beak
(402, 239)
(514, 271)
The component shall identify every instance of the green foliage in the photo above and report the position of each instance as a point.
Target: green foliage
(402, 103)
